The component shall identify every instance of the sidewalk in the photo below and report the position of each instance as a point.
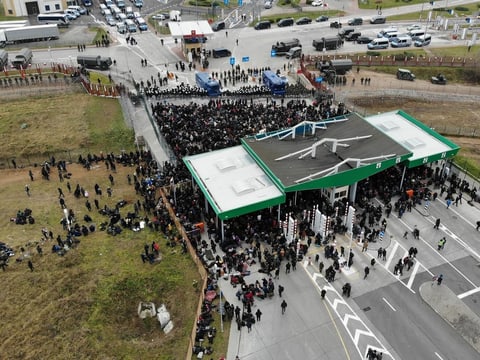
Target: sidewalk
(453, 310)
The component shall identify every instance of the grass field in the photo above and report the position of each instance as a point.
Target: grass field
(84, 305)
(72, 123)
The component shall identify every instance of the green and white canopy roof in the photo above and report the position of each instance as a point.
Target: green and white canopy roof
(425, 144)
(312, 155)
(232, 182)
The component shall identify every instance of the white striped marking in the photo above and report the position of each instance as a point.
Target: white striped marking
(390, 305)
(412, 275)
(438, 356)
(468, 293)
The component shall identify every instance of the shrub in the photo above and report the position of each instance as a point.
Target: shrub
(461, 9)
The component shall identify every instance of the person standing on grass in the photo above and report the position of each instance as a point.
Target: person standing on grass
(30, 265)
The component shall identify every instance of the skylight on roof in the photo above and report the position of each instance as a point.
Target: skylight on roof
(225, 164)
(242, 187)
(413, 143)
(388, 126)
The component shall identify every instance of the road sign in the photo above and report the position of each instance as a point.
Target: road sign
(225, 2)
(245, 59)
(240, 2)
(232, 61)
(273, 53)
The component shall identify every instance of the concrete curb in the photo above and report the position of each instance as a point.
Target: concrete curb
(453, 310)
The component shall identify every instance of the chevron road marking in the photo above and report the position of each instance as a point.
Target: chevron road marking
(361, 331)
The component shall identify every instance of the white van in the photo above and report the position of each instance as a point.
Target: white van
(386, 31)
(121, 28)
(75, 8)
(107, 13)
(379, 43)
(131, 27)
(142, 25)
(121, 17)
(103, 7)
(74, 14)
(129, 13)
(416, 33)
(422, 40)
(115, 11)
(391, 35)
(401, 41)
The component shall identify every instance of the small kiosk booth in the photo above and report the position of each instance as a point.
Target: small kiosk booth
(192, 36)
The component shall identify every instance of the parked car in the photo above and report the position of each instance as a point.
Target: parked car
(440, 79)
(317, 3)
(414, 27)
(355, 21)
(404, 74)
(304, 21)
(321, 18)
(160, 16)
(335, 24)
(364, 39)
(268, 5)
(111, 21)
(353, 36)
(285, 22)
(263, 25)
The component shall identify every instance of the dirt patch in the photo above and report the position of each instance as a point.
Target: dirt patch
(454, 116)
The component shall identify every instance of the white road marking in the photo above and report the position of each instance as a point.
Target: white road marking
(412, 275)
(392, 254)
(438, 356)
(345, 313)
(468, 293)
(391, 307)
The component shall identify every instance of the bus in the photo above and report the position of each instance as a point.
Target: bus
(54, 18)
(205, 82)
(274, 82)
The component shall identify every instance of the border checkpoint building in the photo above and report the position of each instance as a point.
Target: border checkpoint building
(331, 155)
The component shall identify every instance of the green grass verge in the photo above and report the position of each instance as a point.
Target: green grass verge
(332, 14)
(469, 165)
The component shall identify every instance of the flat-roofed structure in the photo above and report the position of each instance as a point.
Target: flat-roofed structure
(334, 153)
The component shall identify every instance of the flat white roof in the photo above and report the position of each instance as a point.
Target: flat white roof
(410, 135)
(188, 28)
(232, 180)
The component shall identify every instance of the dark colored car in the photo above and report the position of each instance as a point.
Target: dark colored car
(336, 25)
(218, 26)
(364, 40)
(262, 25)
(304, 21)
(355, 21)
(353, 36)
(286, 22)
(321, 18)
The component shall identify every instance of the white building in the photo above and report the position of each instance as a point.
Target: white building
(29, 7)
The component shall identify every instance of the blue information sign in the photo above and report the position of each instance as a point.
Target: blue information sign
(245, 59)
(273, 53)
(225, 2)
(232, 61)
(240, 2)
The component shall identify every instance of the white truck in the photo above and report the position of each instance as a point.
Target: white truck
(28, 34)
